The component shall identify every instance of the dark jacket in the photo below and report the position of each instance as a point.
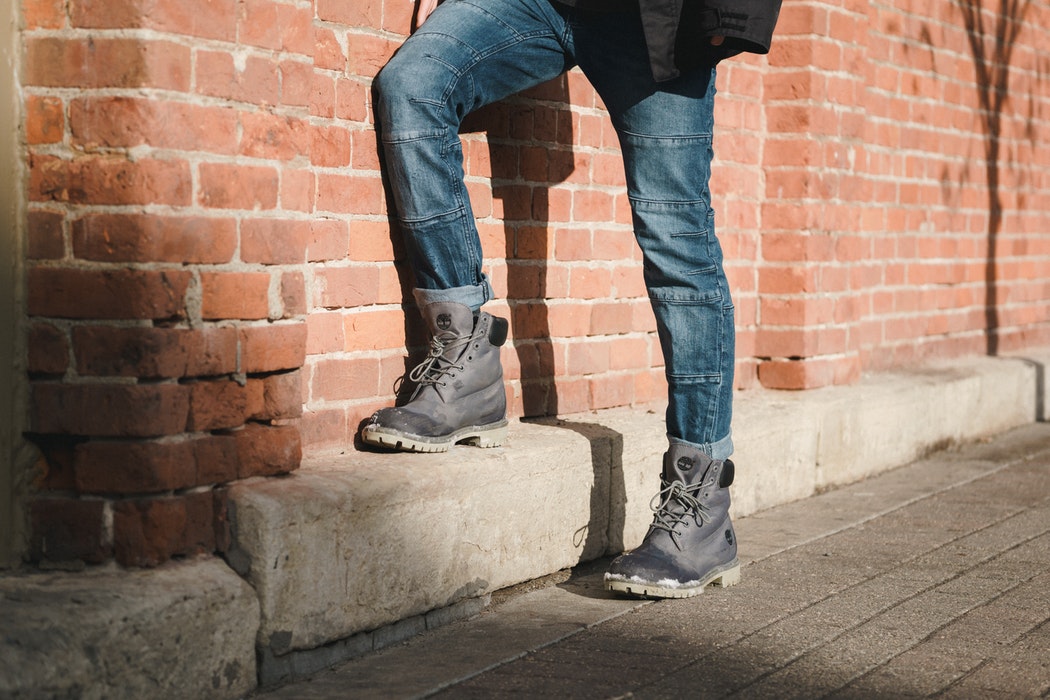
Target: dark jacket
(679, 32)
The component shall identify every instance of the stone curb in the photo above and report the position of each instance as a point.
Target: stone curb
(352, 554)
(351, 545)
(182, 630)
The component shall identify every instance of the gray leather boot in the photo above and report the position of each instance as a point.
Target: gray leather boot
(459, 394)
(690, 542)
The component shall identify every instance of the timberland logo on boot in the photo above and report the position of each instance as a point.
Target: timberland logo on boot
(684, 464)
(444, 321)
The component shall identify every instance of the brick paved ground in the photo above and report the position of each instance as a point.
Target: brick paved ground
(930, 580)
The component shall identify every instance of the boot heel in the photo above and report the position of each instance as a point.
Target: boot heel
(728, 578)
(489, 438)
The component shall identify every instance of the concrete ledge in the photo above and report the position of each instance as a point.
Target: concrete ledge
(184, 630)
(350, 545)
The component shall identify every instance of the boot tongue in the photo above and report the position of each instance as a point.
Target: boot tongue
(447, 320)
(685, 465)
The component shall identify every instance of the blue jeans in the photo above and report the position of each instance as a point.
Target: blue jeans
(470, 53)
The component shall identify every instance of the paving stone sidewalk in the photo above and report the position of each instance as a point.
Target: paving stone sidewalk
(932, 580)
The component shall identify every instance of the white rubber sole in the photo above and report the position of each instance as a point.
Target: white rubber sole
(491, 435)
(723, 576)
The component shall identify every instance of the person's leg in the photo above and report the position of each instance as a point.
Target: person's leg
(468, 53)
(665, 133)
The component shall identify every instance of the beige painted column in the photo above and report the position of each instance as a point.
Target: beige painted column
(14, 452)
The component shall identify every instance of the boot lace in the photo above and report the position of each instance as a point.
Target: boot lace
(436, 366)
(675, 504)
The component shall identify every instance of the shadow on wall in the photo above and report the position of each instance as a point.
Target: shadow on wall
(992, 47)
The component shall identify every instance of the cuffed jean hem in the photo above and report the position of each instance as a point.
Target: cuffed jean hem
(720, 450)
(473, 296)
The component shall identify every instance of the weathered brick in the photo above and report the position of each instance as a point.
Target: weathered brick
(149, 531)
(243, 295)
(46, 239)
(44, 14)
(109, 179)
(45, 119)
(267, 450)
(257, 82)
(107, 294)
(64, 529)
(273, 347)
(216, 404)
(109, 410)
(213, 19)
(146, 238)
(48, 350)
(293, 294)
(282, 396)
(151, 353)
(216, 459)
(125, 122)
(107, 62)
(274, 241)
(225, 186)
(134, 467)
(273, 136)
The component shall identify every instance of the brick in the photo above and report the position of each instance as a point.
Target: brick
(258, 24)
(328, 54)
(44, 231)
(216, 405)
(239, 295)
(107, 294)
(282, 396)
(124, 122)
(210, 19)
(293, 294)
(258, 82)
(374, 241)
(216, 459)
(368, 53)
(274, 241)
(224, 186)
(324, 333)
(106, 62)
(350, 194)
(48, 350)
(109, 410)
(110, 179)
(339, 379)
(273, 347)
(154, 353)
(65, 529)
(273, 136)
(296, 83)
(322, 95)
(45, 119)
(347, 287)
(330, 147)
(363, 13)
(298, 190)
(150, 531)
(44, 14)
(53, 469)
(125, 467)
(808, 373)
(148, 238)
(267, 450)
(221, 519)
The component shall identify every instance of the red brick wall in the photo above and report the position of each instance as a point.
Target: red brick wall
(215, 289)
